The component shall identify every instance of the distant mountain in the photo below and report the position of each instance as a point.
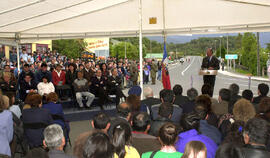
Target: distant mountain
(264, 38)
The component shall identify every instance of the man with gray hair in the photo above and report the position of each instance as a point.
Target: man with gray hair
(149, 100)
(54, 140)
(188, 107)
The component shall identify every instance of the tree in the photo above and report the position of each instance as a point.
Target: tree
(72, 48)
(248, 51)
(132, 50)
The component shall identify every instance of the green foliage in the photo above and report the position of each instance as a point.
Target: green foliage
(248, 51)
(72, 48)
(132, 51)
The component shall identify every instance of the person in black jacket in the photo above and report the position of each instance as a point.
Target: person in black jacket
(165, 113)
(26, 71)
(27, 86)
(263, 90)
(256, 134)
(179, 98)
(210, 62)
(35, 120)
(71, 74)
(43, 72)
(8, 86)
(114, 85)
(98, 87)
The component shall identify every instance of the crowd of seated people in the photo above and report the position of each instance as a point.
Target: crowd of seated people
(173, 125)
(160, 129)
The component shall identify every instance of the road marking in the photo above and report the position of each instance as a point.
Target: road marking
(188, 66)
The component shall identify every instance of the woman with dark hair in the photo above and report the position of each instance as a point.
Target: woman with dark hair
(45, 87)
(104, 71)
(235, 134)
(122, 142)
(35, 120)
(98, 145)
(195, 149)
(190, 124)
(229, 150)
(167, 138)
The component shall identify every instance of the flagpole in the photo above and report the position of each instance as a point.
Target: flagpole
(140, 41)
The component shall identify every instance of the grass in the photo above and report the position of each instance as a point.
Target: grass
(246, 72)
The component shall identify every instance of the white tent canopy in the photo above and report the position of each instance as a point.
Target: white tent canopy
(32, 20)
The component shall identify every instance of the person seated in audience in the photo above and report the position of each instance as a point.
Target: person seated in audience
(80, 86)
(263, 90)
(71, 74)
(27, 86)
(195, 149)
(229, 150)
(104, 70)
(43, 72)
(188, 107)
(190, 124)
(6, 128)
(59, 82)
(57, 113)
(121, 140)
(7, 70)
(202, 109)
(37, 152)
(167, 96)
(149, 100)
(235, 134)
(45, 87)
(223, 106)
(142, 141)
(88, 73)
(234, 91)
(98, 88)
(54, 139)
(98, 145)
(8, 86)
(114, 85)
(264, 109)
(212, 118)
(208, 90)
(180, 100)
(26, 71)
(35, 120)
(243, 110)
(165, 113)
(248, 95)
(256, 135)
(123, 116)
(167, 137)
(14, 108)
(134, 99)
(101, 123)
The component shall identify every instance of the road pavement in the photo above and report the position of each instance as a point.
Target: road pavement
(186, 75)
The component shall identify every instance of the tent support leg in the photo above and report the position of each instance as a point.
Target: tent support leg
(140, 41)
(18, 57)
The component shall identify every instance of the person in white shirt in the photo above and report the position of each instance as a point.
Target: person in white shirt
(45, 87)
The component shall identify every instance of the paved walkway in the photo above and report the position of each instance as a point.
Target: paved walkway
(237, 75)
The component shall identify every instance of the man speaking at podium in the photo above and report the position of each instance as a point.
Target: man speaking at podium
(210, 62)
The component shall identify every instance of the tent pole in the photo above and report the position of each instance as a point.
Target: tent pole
(140, 41)
(18, 57)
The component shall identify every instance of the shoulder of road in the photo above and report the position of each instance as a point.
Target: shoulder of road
(237, 75)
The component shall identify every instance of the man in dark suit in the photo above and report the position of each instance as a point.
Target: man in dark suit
(98, 87)
(149, 98)
(114, 85)
(210, 62)
(26, 86)
(179, 98)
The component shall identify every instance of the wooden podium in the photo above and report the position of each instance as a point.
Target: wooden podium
(208, 72)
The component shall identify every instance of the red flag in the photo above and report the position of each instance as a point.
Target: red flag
(165, 78)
